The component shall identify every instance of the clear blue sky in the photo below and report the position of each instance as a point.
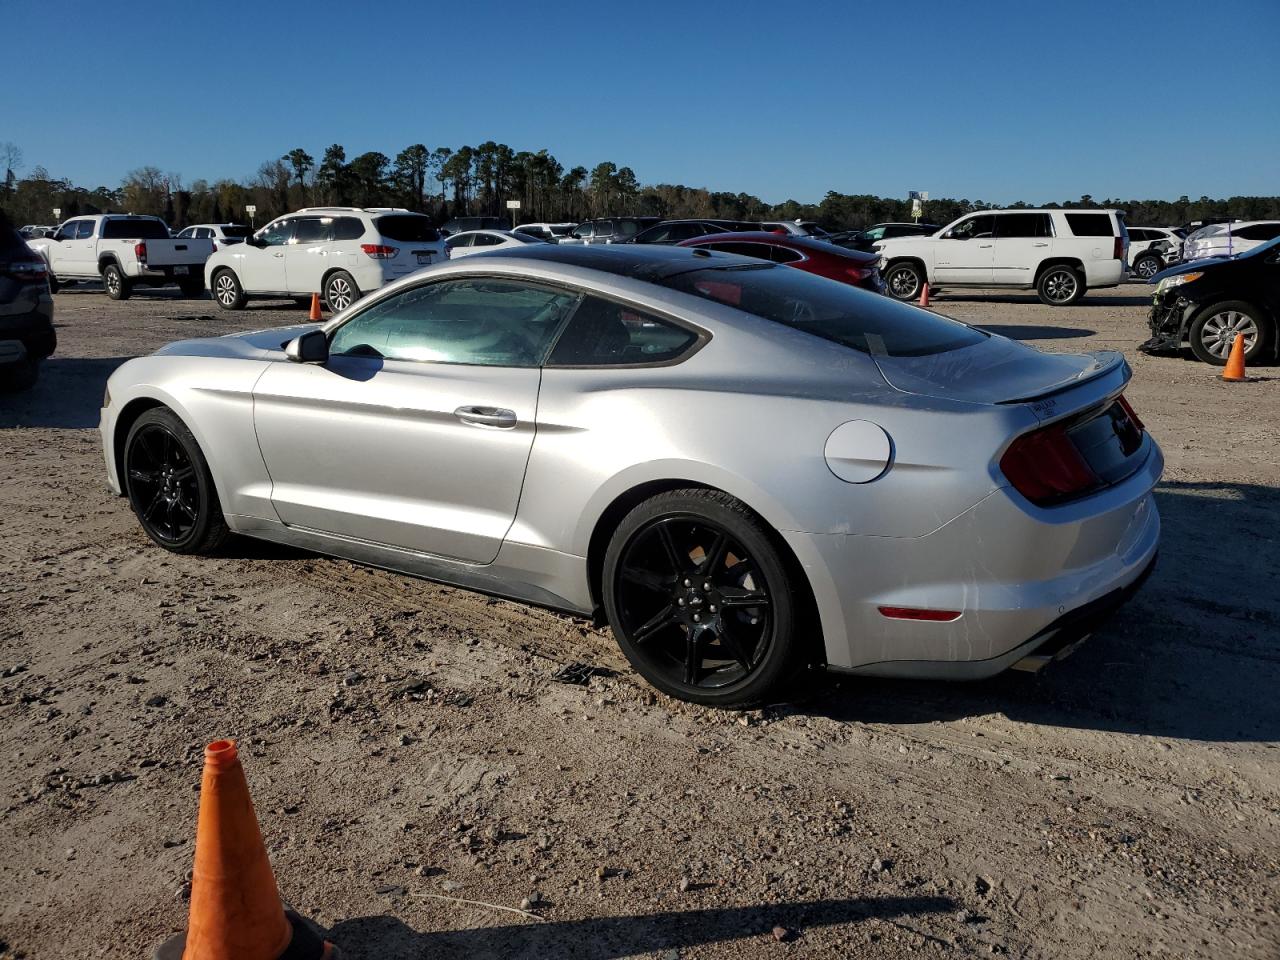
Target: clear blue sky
(997, 101)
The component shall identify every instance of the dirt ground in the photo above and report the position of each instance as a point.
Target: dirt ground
(405, 741)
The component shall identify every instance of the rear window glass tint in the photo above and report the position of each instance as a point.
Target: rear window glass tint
(1260, 231)
(407, 228)
(828, 309)
(311, 230)
(134, 230)
(604, 333)
(1023, 225)
(235, 231)
(1090, 224)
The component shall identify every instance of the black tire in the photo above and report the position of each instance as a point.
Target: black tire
(661, 573)
(192, 289)
(117, 284)
(227, 290)
(1147, 265)
(20, 376)
(904, 281)
(1060, 285)
(170, 488)
(1213, 330)
(340, 290)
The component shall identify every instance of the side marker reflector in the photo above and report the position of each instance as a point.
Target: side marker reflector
(918, 613)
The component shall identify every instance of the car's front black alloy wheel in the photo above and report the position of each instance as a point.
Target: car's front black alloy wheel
(169, 485)
(700, 601)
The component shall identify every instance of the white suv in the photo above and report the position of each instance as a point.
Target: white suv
(338, 252)
(1058, 253)
(1151, 249)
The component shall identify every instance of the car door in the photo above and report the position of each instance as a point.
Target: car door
(1022, 242)
(965, 253)
(603, 232)
(306, 254)
(261, 263)
(416, 431)
(69, 252)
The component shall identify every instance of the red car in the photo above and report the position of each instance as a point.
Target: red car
(825, 259)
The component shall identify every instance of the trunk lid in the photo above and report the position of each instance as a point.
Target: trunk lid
(1002, 371)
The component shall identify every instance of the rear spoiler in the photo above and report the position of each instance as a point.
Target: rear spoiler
(1109, 366)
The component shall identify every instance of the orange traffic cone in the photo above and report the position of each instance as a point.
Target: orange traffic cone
(235, 907)
(1234, 370)
(315, 308)
(924, 294)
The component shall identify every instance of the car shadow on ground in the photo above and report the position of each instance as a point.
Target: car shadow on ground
(1020, 331)
(1031, 299)
(606, 938)
(67, 396)
(1194, 655)
(94, 289)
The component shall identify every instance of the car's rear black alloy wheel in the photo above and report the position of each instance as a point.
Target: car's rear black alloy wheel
(163, 485)
(693, 604)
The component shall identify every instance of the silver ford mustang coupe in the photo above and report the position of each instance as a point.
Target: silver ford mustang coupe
(746, 469)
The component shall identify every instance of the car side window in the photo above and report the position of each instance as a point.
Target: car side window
(67, 231)
(474, 320)
(604, 333)
(1015, 225)
(311, 230)
(84, 230)
(784, 255)
(347, 228)
(187, 234)
(276, 234)
(604, 228)
(879, 233)
(582, 231)
(982, 225)
(485, 240)
(761, 251)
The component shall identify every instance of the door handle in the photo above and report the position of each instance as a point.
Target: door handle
(499, 417)
(277, 254)
(984, 246)
(1039, 244)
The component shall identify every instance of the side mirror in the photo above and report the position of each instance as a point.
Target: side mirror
(311, 347)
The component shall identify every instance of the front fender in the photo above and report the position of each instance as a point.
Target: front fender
(214, 398)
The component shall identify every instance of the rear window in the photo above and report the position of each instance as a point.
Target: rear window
(234, 231)
(134, 230)
(828, 309)
(1260, 231)
(407, 228)
(1090, 224)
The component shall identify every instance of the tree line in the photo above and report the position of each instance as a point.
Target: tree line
(444, 182)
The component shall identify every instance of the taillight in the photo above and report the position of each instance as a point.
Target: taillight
(379, 252)
(858, 273)
(215, 246)
(1137, 420)
(1045, 466)
(140, 251)
(26, 271)
(1117, 249)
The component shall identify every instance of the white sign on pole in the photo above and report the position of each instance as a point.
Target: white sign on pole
(250, 209)
(513, 204)
(57, 212)
(915, 209)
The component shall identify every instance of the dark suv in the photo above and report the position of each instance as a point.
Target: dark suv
(26, 311)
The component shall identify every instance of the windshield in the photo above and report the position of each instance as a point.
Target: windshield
(828, 309)
(526, 238)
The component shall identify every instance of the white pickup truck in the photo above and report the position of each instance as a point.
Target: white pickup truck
(123, 251)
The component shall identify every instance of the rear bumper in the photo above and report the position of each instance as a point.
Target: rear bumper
(1106, 273)
(1014, 571)
(29, 320)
